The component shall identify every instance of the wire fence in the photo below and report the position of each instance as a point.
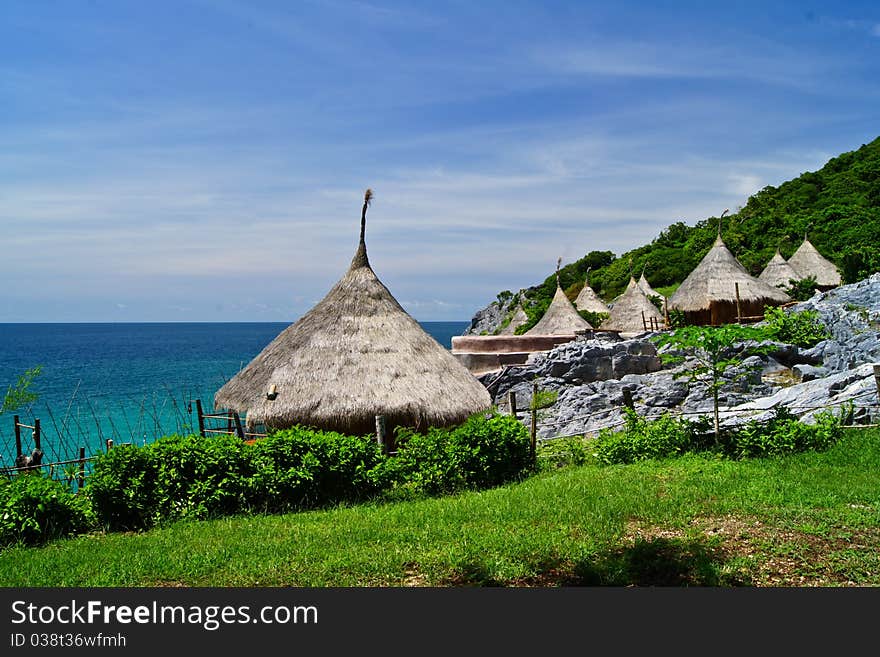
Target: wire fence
(847, 408)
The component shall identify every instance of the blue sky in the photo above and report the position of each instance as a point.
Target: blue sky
(206, 160)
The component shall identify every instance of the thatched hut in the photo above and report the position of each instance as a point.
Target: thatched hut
(778, 272)
(807, 261)
(355, 355)
(518, 319)
(561, 318)
(709, 294)
(588, 300)
(633, 312)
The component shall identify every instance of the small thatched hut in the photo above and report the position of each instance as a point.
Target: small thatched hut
(519, 318)
(709, 294)
(588, 300)
(807, 261)
(355, 355)
(778, 272)
(561, 318)
(633, 312)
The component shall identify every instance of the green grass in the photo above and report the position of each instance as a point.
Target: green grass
(808, 519)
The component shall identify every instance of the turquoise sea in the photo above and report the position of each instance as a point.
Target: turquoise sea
(128, 382)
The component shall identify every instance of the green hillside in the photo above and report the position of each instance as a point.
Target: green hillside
(838, 206)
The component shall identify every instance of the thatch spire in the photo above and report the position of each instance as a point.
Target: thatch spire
(708, 295)
(558, 262)
(807, 261)
(719, 222)
(360, 257)
(354, 355)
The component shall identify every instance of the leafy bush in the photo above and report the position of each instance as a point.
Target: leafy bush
(484, 451)
(35, 509)
(305, 468)
(802, 289)
(563, 452)
(299, 468)
(668, 436)
(643, 439)
(803, 328)
(784, 434)
(123, 487)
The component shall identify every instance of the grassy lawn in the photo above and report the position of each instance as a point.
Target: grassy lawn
(806, 520)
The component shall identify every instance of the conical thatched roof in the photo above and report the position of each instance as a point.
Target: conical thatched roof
(646, 287)
(588, 300)
(807, 261)
(561, 318)
(628, 309)
(355, 355)
(519, 318)
(713, 282)
(778, 272)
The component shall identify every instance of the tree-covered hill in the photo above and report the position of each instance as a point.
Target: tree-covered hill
(837, 206)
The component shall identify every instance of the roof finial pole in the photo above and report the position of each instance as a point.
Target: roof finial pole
(558, 262)
(719, 222)
(368, 196)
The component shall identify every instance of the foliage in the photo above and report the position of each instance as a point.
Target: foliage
(712, 349)
(668, 436)
(643, 439)
(35, 509)
(133, 488)
(838, 206)
(487, 450)
(20, 394)
(802, 289)
(784, 434)
(595, 319)
(563, 452)
(802, 328)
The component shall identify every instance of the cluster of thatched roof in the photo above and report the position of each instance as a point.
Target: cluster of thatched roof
(355, 355)
(720, 289)
(806, 262)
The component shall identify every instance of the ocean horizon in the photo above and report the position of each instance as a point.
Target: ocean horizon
(129, 381)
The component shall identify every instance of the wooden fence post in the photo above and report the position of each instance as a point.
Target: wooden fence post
(109, 444)
(17, 436)
(81, 474)
(628, 398)
(738, 307)
(238, 428)
(533, 433)
(511, 402)
(644, 323)
(382, 433)
(201, 417)
(37, 434)
(666, 311)
(877, 379)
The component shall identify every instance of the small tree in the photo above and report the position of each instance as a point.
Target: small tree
(20, 394)
(711, 347)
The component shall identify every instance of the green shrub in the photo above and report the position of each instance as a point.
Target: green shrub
(485, 451)
(305, 468)
(35, 509)
(643, 439)
(784, 434)
(124, 488)
(563, 452)
(803, 328)
(175, 477)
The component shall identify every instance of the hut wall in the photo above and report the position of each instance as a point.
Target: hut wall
(724, 312)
